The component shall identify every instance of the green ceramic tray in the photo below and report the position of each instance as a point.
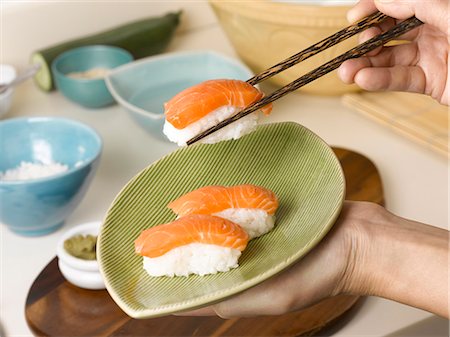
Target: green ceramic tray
(284, 157)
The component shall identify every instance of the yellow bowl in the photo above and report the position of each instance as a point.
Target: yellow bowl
(266, 32)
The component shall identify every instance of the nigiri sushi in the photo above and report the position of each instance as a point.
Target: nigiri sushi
(252, 207)
(194, 244)
(204, 105)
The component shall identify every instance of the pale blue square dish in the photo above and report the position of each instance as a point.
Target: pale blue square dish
(142, 87)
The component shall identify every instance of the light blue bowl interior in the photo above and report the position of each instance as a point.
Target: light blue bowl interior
(40, 206)
(41, 140)
(144, 86)
(91, 93)
(85, 58)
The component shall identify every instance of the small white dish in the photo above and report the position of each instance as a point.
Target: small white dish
(7, 74)
(82, 273)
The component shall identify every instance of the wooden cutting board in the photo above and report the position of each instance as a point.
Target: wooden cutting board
(54, 307)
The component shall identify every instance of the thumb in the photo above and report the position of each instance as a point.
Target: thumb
(435, 12)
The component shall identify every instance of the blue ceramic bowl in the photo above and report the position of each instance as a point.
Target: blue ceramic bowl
(40, 206)
(143, 86)
(90, 93)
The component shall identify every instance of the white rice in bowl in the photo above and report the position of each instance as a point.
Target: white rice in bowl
(28, 171)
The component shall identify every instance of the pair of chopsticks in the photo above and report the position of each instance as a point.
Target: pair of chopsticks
(324, 69)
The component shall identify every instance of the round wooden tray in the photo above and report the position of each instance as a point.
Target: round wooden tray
(54, 307)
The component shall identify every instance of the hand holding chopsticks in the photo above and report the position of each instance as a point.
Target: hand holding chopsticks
(340, 36)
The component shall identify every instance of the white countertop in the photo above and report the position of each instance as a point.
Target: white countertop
(415, 180)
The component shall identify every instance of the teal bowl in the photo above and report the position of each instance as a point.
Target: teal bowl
(142, 87)
(40, 206)
(88, 92)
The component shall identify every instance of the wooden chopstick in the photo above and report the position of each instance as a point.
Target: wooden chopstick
(356, 52)
(320, 46)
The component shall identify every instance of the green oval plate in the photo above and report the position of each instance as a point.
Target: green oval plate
(285, 157)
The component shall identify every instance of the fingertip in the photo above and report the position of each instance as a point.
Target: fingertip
(368, 80)
(342, 75)
(345, 72)
(361, 81)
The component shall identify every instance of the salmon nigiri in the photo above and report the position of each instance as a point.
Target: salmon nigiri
(252, 207)
(202, 106)
(194, 244)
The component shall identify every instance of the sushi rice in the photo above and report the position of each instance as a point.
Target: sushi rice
(255, 222)
(236, 130)
(194, 258)
(194, 244)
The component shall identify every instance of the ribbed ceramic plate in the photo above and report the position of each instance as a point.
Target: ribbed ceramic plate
(285, 157)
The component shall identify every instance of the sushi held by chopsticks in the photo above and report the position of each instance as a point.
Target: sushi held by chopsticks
(213, 227)
(204, 105)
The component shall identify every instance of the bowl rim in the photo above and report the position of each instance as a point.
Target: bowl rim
(95, 47)
(290, 13)
(72, 261)
(91, 280)
(71, 170)
(172, 55)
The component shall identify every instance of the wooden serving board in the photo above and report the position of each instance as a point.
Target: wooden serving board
(54, 307)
